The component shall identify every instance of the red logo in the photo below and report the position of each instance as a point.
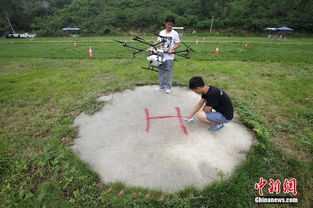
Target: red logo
(260, 186)
(289, 186)
(275, 186)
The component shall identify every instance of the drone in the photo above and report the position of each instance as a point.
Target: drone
(155, 56)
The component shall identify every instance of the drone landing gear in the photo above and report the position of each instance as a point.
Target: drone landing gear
(150, 69)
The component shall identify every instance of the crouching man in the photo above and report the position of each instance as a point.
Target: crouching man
(211, 98)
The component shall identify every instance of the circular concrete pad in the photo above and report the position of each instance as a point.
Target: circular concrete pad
(140, 139)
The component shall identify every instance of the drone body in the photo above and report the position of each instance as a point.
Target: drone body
(157, 59)
(155, 56)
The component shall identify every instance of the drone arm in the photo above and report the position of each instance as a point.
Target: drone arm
(128, 46)
(142, 41)
(178, 52)
(187, 56)
(187, 50)
(138, 51)
(153, 46)
(133, 48)
(156, 44)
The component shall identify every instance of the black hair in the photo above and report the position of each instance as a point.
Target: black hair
(170, 19)
(195, 82)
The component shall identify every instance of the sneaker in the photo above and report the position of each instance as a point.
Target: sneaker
(216, 127)
(168, 91)
(158, 89)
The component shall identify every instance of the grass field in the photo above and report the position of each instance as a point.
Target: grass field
(46, 83)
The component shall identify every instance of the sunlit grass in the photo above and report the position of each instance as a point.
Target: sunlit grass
(46, 83)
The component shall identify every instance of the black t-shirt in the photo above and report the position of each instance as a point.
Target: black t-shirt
(219, 101)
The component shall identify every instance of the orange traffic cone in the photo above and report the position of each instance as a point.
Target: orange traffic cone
(217, 49)
(90, 52)
(75, 44)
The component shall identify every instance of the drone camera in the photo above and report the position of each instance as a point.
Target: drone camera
(155, 60)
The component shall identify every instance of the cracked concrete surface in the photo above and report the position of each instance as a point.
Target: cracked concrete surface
(116, 144)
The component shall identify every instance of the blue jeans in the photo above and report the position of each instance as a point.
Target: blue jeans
(166, 69)
(216, 117)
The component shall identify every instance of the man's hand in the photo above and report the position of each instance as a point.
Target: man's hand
(188, 116)
(149, 50)
(172, 49)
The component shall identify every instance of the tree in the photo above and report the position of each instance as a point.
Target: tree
(108, 16)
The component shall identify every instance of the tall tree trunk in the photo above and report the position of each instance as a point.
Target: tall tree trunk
(10, 24)
(25, 7)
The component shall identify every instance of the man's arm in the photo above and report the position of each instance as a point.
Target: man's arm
(196, 108)
(173, 48)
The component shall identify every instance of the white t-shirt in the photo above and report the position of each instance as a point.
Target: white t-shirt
(171, 39)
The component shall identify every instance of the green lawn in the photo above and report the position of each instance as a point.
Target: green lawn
(46, 83)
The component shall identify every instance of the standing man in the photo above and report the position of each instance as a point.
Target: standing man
(213, 98)
(170, 41)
